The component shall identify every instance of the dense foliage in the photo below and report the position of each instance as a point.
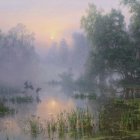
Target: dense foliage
(115, 45)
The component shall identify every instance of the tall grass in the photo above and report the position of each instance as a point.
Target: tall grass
(120, 117)
(4, 110)
(33, 126)
(77, 123)
(19, 99)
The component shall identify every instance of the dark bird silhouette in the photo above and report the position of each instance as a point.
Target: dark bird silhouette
(38, 89)
(28, 85)
(37, 97)
(31, 86)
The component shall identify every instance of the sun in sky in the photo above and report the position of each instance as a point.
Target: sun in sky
(53, 36)
(49, 20)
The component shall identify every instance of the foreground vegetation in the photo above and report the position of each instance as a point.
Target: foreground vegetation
(121, 118)
(19, 99)
(77, 123)
(118, 119)
(4, 110)
(115, 51)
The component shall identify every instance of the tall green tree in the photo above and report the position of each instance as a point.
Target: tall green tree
(107, 34)
(134, 32)
(115, 48)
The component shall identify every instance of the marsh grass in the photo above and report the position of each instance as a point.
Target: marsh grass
(80, 123)
(83, 96)
(4, 110)
(33, 126)
(77, 123)
(130, 119)
(50, 128)
(19, 99)
(120, 117)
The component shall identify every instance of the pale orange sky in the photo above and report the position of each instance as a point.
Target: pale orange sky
(48, 19)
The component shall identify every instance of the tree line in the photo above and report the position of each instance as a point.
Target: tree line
(115, 46)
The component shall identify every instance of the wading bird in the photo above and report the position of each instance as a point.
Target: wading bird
(28, 85)
(38, 89)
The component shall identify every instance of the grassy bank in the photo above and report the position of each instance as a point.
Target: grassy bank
(4, 110)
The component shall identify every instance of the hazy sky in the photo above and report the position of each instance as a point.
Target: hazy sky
(49, 19)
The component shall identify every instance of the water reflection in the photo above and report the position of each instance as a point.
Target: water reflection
(53, 106)
(53, 102)
(9, 128)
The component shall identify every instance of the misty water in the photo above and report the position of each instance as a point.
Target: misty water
(52, 101)
(66, 74)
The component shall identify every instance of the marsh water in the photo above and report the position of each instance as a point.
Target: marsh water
(52, 101)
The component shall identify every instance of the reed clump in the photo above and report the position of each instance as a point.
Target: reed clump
(77, 123)
(4, 110)
(33, 126)
(19, 99)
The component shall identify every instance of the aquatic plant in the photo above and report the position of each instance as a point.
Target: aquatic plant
(5, 110)
(62, 124)
(19, 99)
(51, 128)
(33, 126)
(83, 96)
(119, 117)
(130, 120)
(76, 123)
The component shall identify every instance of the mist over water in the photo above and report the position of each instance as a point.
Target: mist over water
(20, 60)
(62, 56)
(62, 82)
(24, 69)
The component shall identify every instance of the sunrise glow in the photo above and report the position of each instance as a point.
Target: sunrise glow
(53, 107)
